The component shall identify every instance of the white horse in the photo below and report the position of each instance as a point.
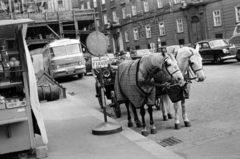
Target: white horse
(133, 82)
(190, 64)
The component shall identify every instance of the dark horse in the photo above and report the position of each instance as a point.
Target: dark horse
(133, 82)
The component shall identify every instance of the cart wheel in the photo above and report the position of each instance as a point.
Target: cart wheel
(116, 107)
(157, 104)
(98, 95)
(22, 155)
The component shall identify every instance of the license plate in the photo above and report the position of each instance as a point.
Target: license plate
(70, 69)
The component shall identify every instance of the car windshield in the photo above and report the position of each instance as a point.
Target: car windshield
(73, 48)
(58, 51)
(218, 43)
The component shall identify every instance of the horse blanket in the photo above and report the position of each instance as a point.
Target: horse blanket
(127, 85)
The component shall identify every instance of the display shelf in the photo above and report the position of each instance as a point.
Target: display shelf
(10, 85)
(14, 120)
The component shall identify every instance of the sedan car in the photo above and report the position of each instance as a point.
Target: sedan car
(216, 50)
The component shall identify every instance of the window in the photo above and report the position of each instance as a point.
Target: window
(177, 1)
(219, 36)
(82, 6)
(126, 36)
(163, 43)
(88, 5)
(161, 29)
(114, 16)
(134, 9)
(217, 18)
(181, 41)
(105, 19)
(237, 11)
(137, 47)
(160, 3)
(146, 6)
(60, 3)
(95, 3)
(135, 33)
(103, 1)
(179, 25)
(124, 13)
(148, 31)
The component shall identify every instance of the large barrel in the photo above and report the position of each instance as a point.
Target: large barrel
(48, 92)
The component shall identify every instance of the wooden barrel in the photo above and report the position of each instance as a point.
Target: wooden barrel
(48, 92)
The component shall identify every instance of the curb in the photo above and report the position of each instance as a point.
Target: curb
(143, 142)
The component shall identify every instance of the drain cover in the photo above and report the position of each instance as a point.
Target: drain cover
(169, 141)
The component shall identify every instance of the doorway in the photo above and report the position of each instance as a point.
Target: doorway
(196, 29)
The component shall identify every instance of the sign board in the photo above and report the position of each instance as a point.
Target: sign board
(100, 62)
(97, 43)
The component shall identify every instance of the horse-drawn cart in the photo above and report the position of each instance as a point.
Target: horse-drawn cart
(108, 83)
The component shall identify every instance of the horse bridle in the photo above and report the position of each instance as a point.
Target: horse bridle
(167, 65)
(191, 64)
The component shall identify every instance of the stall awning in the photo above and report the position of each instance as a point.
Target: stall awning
(15, 21)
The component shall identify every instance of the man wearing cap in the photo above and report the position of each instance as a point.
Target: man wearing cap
(121, 57)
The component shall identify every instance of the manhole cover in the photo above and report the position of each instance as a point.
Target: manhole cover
(169, 141)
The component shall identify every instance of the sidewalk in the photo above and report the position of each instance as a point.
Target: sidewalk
(69, 125)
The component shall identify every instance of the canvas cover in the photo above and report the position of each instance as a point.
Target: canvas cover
(127, 88)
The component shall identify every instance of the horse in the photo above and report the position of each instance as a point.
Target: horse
(133, 82)
(190, 64)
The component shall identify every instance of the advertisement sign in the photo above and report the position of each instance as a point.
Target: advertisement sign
(100, 62)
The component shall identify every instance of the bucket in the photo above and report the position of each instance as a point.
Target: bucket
(48, 92)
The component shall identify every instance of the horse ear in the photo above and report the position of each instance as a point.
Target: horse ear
(197, 48)
(173, 51)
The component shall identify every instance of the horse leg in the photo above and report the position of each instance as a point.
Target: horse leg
(177, 122)
(184, 114)
(130, 123)
(166, 108)
(163, 108)
(153, 129)
(136, 119)
(144, 130)
(168, 103)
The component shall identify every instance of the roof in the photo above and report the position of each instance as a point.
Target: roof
(63, 42)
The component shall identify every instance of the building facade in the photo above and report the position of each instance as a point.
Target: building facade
(141, 24)
(54, 19)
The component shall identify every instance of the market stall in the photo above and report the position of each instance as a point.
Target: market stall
(20, 114)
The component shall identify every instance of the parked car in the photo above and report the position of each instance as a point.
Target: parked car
(216, 50)
(235, 40)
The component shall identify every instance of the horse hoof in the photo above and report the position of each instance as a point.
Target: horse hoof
(144, 133)
(165, 118)
(187, 124)
(138, 124)
(177, 126)
(153, 131)
(170, 116)
(130, 124)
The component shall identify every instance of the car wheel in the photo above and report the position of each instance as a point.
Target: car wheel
(218, 60)
(80, 75)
